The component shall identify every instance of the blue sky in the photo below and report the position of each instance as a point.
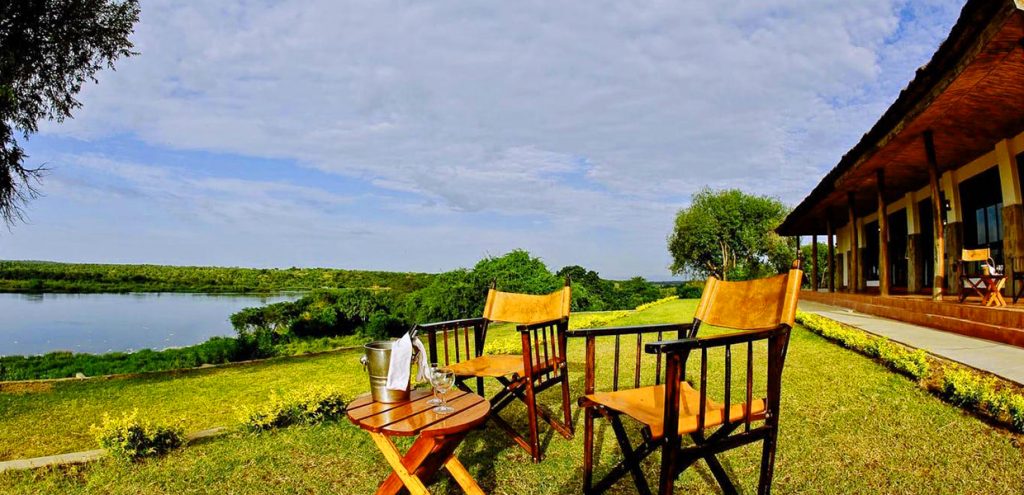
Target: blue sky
(422, 136)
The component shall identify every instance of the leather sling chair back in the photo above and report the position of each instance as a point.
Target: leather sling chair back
(542, 322)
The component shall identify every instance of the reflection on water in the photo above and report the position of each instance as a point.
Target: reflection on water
(40, 323)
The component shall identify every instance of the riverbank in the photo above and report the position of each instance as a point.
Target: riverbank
(48, 276)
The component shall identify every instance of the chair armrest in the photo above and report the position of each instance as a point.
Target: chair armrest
(445, 325)
(538, 324)
(708, 342)
(635, 329)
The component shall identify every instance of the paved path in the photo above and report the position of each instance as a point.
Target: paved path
(1004, 360)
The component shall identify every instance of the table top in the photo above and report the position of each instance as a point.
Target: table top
(416, 417)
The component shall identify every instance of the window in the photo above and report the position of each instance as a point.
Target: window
(989, 224)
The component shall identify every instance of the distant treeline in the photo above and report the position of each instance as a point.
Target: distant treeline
(450, 295)
(340, 313)
(43, 276)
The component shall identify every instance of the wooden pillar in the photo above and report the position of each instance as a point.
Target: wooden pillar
(883, 237)
(831, 257)
(1013, 214)
(915, 246)
(814, 262)
(854, 283)
(937, 214)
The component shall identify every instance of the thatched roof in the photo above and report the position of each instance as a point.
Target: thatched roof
(970, 95)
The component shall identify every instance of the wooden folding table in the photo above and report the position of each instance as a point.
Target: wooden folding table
(439, 436)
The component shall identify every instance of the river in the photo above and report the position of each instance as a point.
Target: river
(97, 323)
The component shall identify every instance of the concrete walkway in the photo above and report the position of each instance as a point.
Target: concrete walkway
(1004, 360)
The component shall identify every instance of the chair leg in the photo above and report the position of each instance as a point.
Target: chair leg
(531, 413)
(632, 460)
(588, 449)
(716, 467)
(764, 486)
(566, 406)
(669, 456)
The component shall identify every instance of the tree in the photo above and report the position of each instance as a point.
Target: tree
(731, 235)
(48, 50)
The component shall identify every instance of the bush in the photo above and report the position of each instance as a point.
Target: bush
(382, 326)
(309, 406)
(1015, 408)
(690, 290)
(128, 438)
(913, 363)
(964, 388)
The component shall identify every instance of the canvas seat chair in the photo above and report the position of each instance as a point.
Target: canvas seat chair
(972, 282)
(677, 404)
(542, 322)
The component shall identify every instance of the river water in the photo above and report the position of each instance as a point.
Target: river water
(97, 323)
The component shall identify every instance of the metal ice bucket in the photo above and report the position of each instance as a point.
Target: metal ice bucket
(377, 361)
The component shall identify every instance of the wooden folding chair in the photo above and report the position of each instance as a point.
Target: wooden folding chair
(542, 322)
(976, 282)
(763, 310)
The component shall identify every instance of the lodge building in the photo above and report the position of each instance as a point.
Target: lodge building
(938, 173)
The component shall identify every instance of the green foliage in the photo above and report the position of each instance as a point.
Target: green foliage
(322, 313)
(129, 439)
(217, 350)
(40, 276)
(957, 385)
(913, 363)
(964, 388)
(1015, 409)
(690, 290)
(731, 235)
(805, 251)
(312, 405)
(517, 271)
(48, 51)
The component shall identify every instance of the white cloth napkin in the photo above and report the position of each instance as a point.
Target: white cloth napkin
(401, 363)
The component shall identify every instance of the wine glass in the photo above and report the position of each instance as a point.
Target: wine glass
(443, 380)
(431, 371)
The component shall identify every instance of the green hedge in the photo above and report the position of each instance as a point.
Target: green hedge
(956, 384)
(913, 363)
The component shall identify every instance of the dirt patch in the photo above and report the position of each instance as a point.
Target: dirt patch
(25, 387)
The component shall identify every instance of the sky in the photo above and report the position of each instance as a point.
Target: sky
(423, 136)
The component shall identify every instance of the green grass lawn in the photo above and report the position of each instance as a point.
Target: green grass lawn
(848, 426)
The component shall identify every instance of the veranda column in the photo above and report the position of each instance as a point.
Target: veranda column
(954, 230)
(854, 278)
(814, 262)
(883, 237)
(1013, 212)
(831, 257)
(915, 246)
(937, 214)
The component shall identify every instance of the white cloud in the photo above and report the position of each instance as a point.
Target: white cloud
(588, 116)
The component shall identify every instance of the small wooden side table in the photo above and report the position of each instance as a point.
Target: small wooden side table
(993, 285)
(439, 436)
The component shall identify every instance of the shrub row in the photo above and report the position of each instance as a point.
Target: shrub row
(913, 363)
(656, 302)
(982, 394)
(955, 384)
